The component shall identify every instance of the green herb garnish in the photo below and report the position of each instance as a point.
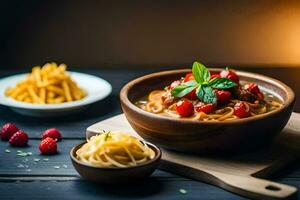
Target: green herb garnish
(222, 83)
(203, 85)
(7, 151)
(184, 88)
(107, 135)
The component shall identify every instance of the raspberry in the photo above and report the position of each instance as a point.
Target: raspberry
(8, 130)
(19, 139)
(52, 133)
(48, 146)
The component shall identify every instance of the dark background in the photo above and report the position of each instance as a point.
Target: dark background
(133, 34)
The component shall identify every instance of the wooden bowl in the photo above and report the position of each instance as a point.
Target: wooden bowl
(113, 175)
(205, 137)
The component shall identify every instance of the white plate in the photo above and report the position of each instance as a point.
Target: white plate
(95, 87)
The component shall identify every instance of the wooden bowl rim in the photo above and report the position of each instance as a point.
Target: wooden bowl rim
(152, 146)
(272, 81)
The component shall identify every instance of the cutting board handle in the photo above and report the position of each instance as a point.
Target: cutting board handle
(254, 187)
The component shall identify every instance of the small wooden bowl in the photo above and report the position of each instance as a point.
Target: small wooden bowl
(205, 137)
(112, 175)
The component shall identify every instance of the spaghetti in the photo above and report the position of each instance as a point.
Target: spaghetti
(114, 149)
(153, 103)
(203, 96)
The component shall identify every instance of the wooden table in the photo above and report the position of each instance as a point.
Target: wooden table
(53, 177)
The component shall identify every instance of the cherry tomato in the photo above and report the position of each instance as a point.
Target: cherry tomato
(188, 77)
(215, 76)
(174, 84)
(184, 108)
(192, 95)
(223, 96)
(230, 74)
(254, 89)
(206, 108)
(241, 110)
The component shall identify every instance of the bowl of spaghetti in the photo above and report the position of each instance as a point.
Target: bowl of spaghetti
(207, 110)
(115, 157)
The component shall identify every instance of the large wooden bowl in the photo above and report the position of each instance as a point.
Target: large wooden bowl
(205, 137)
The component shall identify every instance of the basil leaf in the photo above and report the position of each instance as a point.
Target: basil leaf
(190, 83)
(206, 94)
(222, 83)
(180, 91)
(200, 72)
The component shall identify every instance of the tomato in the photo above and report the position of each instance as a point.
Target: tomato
(223, 96)
(206, 108)
(192, 95)
(215, 76)
(185, 108)
(188, 77)
(230, 74)
(241, 110)
(174, 84)
(254, 89)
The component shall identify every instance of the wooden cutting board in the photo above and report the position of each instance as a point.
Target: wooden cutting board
(241, 174)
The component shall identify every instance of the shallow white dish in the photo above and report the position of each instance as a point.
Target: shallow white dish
(96, 88)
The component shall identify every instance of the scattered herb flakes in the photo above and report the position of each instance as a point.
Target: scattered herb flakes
(7, 151)
(182, 191)
(20, 165)
(36, 160)
(46, 159)
(56, 167)
(22, 154)
(65, 166)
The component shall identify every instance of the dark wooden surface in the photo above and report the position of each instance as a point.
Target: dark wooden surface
(53, 177)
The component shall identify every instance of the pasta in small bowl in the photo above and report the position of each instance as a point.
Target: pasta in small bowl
(115, 157)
